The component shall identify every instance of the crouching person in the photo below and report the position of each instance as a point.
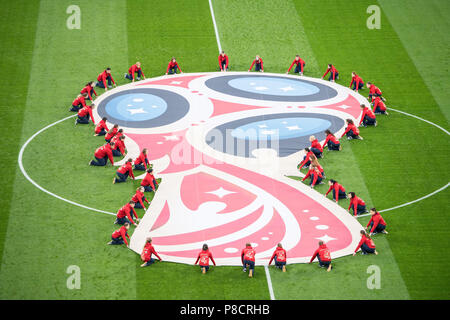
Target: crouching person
(248, 259)
(120, 235)
(203, 259)
(279, 255)
(323, 255)
(146, 254)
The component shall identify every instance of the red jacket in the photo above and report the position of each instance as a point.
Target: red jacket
(103, 76)
(297, 62)
(248, 253)
(125, 211)
(134, 68)
(324, 253)
(356, 79)
(138, 196)
(377, 102)
(119, 144)
(306, 160)
(376, 219)
(332, 138)
(148, 181)
(87, 89)
(316, 144)
(316, 175)
(280, 253)
(101, 125)
(351, 127)
(87, 110)
(333, 70)
(122, 233)
(222, 58)
(126, 167)
(336, 187)
(354, 202)
(142, 159)
(148, 251)
(171, 65)
(257, 61)
(204, 257)
(109, 136)
(374, 90)
(368, 112)
(367, 241)
(78, 101)
(104, 151)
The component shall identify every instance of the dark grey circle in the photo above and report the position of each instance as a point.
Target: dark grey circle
(220, 84)
(226, 143)
(177, 108)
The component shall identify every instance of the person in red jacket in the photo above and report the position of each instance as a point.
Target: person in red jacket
(102, 154)
(149, 182)
(139, 198)
(101, 128)
(351, 131)
(300, 64)
(173, 66)
(338, 190)
(334, 75)
(376, 223)
(135, 68)
(120, 235)
(316, 148)
(378, 106)
(124, 171)
(89, 89)
(223, 61)
(368, 118)
(374, 91)
(102, 77)
(331, 142)
(357, 204)
(366, 244)
(323, 255)
(248, 259)
(315, 175)
(119, 145)
(79, 102)
(147, 252)
(204, 257)
(111, 133)
(315, 162)
(258, 63)
(85, 114)
(357, 82)
(306, 162)
(124, 214)
(142, 162)
(280, 257)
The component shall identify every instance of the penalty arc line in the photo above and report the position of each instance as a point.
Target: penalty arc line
(269, 283)
(41, 188)
(215, 26)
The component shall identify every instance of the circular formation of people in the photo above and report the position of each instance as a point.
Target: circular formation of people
(127, 216)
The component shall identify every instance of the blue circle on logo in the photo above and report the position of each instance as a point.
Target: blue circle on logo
(274, 86)
(136, 107)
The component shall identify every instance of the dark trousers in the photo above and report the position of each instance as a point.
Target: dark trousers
(279, 264)
(139, 167)
(101, 85)
(102, 132)
(129, 76)
(319, 179)
(351, 134)
(331, 76)
(380, 227)
(368, 121)
(365, 249)
(333, 146)
(375, 94)
(149, 188)
(122, 220)
(307, 164)
(378, 110)
(360, 86)
(316, 152)
(224, 63)
(122, 177)
(92, 94)
(149, 262)
(324, 264)
(298, 69)
(138, 204)
(76, 108)
(359, 209)
(117, 241)
(251, 264)
(206, 268)
(83, 120)
(116, 153)
(100, 162)
(173, 70)
(257, 66)
(342, 195)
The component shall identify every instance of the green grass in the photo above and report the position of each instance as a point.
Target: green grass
(398, 161)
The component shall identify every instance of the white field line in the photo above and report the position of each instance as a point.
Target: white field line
(269, 283)
(215, 26)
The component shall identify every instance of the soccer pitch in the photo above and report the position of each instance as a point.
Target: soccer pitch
(44, 64)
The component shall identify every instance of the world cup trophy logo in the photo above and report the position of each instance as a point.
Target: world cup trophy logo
(224, 146)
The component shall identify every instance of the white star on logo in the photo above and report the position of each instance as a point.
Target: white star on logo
(261, 88)
(134, 111)
(344, 106)
(172, 138)
(293, 128)
(176, 82)
(285, 89)
(326, 238)
(221, 192)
